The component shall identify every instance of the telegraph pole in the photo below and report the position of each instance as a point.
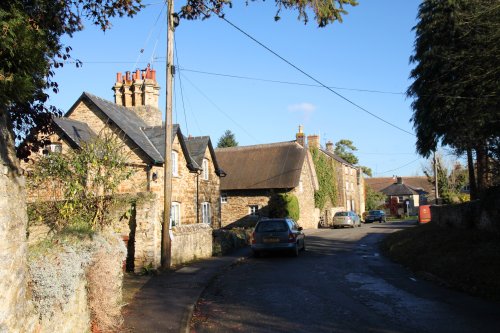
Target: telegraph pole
(166, 245)
(436, 178)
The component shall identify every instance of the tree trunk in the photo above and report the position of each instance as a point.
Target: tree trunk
(472, 175)
(13, 243)
(482, 168)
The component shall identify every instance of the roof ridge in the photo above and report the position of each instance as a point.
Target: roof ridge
(263, 145)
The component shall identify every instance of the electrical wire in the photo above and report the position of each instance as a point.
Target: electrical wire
(180, 86)
(310, 76)
(400, 167)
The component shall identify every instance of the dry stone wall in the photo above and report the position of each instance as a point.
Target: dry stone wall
(191, 242)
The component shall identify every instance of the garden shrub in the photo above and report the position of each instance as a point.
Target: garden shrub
(284, 205)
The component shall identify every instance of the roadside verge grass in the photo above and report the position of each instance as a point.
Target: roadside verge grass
(463, 259)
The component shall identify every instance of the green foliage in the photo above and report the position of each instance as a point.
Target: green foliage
(227, 140)
(30, 51)
(344, 149)
(456, 79)
(450, 181)
(78, 187)
(327, 180)
(284, 205)
(374, 199)
(325, 12)
(367, 171)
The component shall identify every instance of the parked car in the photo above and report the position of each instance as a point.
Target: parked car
(375, 215)
(346, 219)
(277, 234)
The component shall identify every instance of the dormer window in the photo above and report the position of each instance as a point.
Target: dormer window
(205, 169)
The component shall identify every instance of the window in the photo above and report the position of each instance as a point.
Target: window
(56, 147)
(205, 212)
(223, 197)
(253, 210)
(205, 169)
(175, 169)
(175, 214)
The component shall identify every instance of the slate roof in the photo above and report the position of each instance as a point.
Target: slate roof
(267, 166)
(398, 190)
(335, 157)
(127, 121)
(197, 146)
(74, 131)
(419, 184)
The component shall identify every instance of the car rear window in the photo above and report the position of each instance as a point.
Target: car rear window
(272, 226)
(375, 212)
(341, 214)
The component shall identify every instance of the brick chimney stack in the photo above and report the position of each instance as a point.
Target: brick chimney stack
(137, 89)
(329, 147)
(313, 141)
(300, 137)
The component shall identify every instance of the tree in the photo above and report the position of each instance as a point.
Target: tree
(456, 79)
(227, 140)
(374, 199)
(344, 149)
(284, 205)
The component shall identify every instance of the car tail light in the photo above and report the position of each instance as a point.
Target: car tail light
(291, 238)
(253, 238)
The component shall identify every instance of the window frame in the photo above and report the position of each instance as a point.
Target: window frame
(175, 206)
(251, 211)
(206, 213)
(206, 169)
(175, 163)
(223, 197)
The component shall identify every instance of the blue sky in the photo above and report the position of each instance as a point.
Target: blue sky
(368, 51)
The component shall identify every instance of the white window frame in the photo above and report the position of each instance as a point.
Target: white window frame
(205, 169)
(55, 147)
(223, 197)
(205, 213)
(253, 210)
(175, 163)
(175, 214)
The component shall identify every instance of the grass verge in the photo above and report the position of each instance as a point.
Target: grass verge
(467, 260)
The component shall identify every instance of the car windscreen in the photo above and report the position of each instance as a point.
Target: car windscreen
(375, 212)
(272, 226)
(341, 214)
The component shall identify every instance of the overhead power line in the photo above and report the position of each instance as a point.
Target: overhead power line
(310, 76)
(400, 167)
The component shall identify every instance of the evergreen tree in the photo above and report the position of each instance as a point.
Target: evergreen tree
(227, 140)
(457, 79)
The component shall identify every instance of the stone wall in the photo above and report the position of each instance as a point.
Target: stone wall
(13, 245)
(305, 194)
(236, 211)
(478, 214)
(191, 242)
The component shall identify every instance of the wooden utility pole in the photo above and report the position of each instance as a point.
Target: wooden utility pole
(166, 245)
(436, 178)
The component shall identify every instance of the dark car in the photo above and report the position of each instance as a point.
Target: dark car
(375, 215)
(277, 234)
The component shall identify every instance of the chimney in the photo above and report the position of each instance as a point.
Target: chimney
(300, 137)
(313, 141)
(137, 89)
(399, 180)
(329, 147)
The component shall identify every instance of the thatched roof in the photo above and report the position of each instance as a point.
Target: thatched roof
(267, 166)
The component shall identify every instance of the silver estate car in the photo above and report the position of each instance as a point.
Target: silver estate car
(346, 219)
(277, 234)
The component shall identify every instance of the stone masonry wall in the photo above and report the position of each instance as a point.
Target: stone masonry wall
(305, 195)
(236, 210)
(191, 242)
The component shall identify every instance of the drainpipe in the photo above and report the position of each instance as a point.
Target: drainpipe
(197, 198)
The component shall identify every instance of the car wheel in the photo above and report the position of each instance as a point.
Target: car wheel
(295, 251)
(303, 246)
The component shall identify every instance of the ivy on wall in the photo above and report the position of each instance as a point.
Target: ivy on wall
(284, 205)
(325, 171)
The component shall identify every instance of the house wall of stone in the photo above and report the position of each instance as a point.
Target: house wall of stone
(191, 242)
(237, 209)
(305, 194)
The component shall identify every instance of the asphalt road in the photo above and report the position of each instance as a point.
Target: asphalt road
(339, 284)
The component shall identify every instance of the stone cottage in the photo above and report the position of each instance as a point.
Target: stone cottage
(349, 179)
(136, 120)
(254, 173)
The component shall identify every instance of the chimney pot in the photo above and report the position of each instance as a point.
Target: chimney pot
(137, 74)
(118, 77)
(313, 141)
(329, 147)
(153, 75)
(399, 180)
(127, 76)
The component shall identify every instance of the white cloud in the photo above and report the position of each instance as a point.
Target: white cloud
(303, 109)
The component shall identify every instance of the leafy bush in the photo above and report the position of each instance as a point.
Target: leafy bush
(284, 205)
(76, 188)
(326, 178)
